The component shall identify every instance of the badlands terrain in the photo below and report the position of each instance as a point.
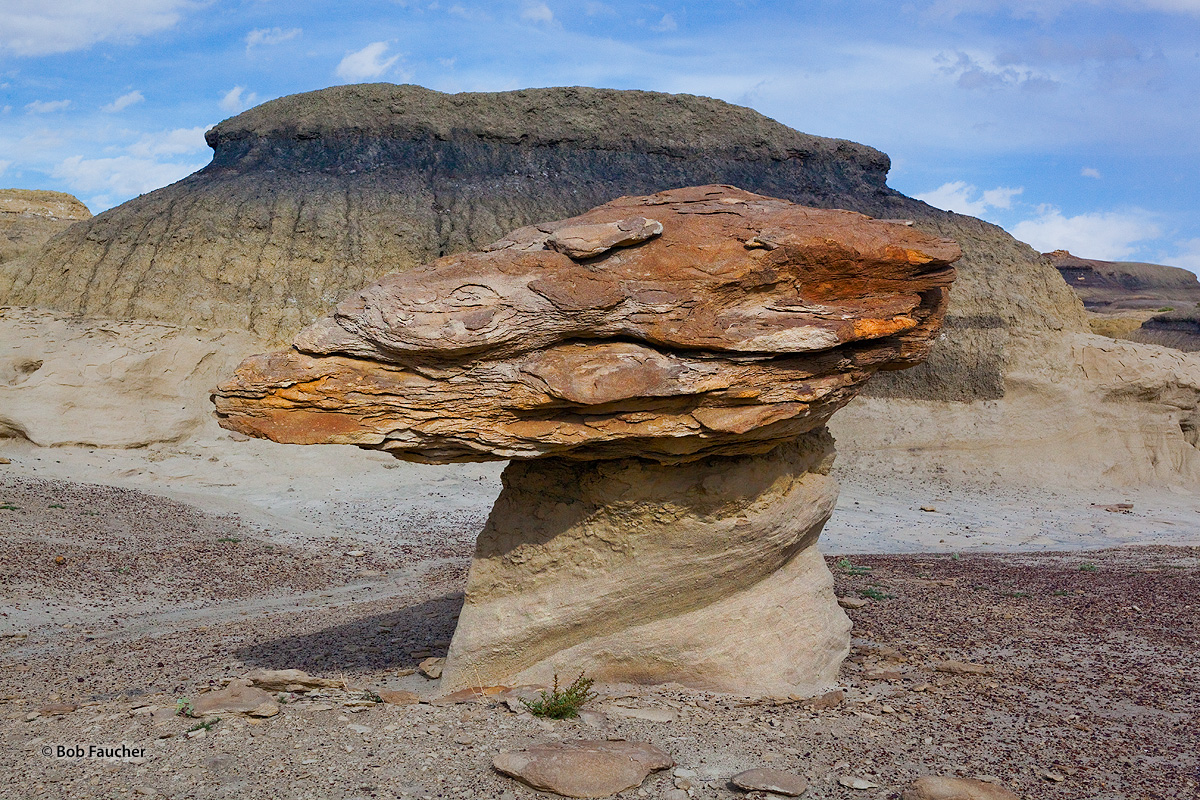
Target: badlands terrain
(1016, 541)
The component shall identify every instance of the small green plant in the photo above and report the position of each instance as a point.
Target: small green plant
(370, 695)
(8, 507)
(1087, 566)
(205, 725)
(956, 556)
(184, 708)
(1165, 309)
(875, 594)
(562, 703)
(56, 505)
(853, 569)
(229, 539)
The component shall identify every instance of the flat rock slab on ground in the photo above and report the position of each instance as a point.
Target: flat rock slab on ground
(934, 788)
(237, 698)
(770, 780)
(584, 768)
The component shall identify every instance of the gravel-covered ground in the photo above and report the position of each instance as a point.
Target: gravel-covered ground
(121, 603)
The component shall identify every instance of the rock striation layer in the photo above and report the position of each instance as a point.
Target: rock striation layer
(29, 218)
(706, 575)
(735, 321)
(661, 369)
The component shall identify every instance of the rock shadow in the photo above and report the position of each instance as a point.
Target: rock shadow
(379, 642)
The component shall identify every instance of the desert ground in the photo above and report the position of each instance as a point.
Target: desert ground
(139, 578)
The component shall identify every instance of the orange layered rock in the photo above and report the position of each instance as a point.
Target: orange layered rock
(690, 323)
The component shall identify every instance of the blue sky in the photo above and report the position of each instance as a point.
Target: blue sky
(1072, 123)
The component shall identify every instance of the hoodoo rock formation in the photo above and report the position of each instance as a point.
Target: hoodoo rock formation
(706, 325)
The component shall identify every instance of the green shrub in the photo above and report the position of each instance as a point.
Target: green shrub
(562, 703)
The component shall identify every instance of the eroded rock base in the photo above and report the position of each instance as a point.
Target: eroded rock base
(705, 574)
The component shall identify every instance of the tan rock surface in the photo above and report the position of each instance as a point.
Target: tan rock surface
(936, 788)
(239, 697)
(630, 571)
(71, 380)
(584, 768)
(746, 321)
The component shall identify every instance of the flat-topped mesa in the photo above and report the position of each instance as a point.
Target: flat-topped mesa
(685, 324)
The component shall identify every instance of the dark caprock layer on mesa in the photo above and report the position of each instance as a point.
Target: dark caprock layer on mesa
(310, 197)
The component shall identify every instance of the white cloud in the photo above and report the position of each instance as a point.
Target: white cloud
(957, 196)
(4, 165)
(1090, 172)
(1106, 235)
(170, 143)
(667, 23)
(1188, 256)
(235, 102)
(46, 106)
(366, 63)
(37, 27)
(270, 36)
(124, 101)
(120, 176)
(1049, 9)
(971, 73)
(537, 12)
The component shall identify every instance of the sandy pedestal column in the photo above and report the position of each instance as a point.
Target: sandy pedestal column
(705, 573)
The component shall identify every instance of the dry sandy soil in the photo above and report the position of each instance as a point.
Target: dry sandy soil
(236, 555)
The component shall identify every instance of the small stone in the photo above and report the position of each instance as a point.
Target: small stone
(825, 702)
(32, 715)
(57, 709)
(4, 460)
(356, 553)
(879, 674)
(582, 768)
(770, 780)
(854, 782)
(963, 668)
(593, 719)
(1051, 775)
(358, 728)
(929, 509)
(267, 709)
(432, 667)
(852, 602)
(675, 794)
(398, 697)
(199, 733)
(588, 241)
(935, 788)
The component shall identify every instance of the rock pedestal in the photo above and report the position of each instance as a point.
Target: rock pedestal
(707, 575)
(660, 371)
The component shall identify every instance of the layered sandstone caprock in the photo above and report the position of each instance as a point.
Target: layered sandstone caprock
(746, 321)
(706, 575)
